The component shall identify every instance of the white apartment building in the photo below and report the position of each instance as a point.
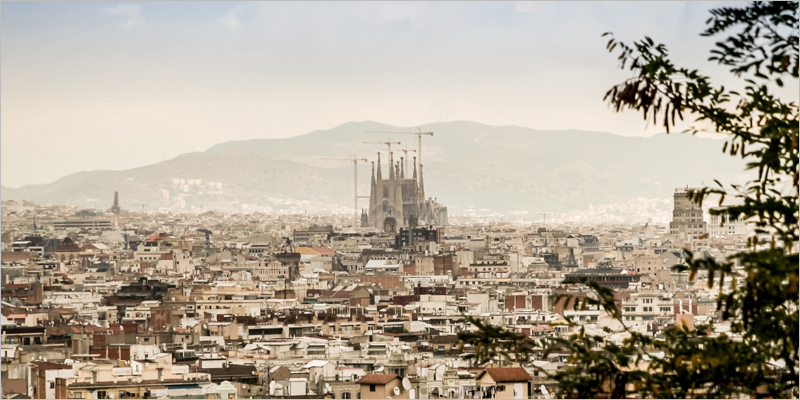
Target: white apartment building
(722, 226)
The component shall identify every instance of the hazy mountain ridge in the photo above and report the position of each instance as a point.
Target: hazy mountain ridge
(467, 166)
(246, 179)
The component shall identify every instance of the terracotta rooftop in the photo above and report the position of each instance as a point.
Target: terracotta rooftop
(376, 379)
(44, 365)
(514, 374)
(444, 339)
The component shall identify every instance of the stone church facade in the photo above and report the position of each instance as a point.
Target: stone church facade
(401, 198)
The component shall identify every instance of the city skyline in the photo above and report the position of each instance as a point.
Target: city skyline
(81, 79)
(399, 200)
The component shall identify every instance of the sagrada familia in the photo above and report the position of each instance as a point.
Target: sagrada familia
(400, 201)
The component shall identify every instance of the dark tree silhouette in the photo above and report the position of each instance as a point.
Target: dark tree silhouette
(759, 357)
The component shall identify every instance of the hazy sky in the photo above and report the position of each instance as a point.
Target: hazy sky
(115, 85)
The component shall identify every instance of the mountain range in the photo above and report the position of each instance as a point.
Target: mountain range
(470, 167)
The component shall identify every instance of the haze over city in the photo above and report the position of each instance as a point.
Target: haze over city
(399, 200)
(142, 82)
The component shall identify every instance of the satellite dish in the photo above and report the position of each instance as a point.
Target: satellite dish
(545, 392)
(205, 326)
(396, 391)
(272, 386)
(406, 384)
(244, 386)
(44, 359)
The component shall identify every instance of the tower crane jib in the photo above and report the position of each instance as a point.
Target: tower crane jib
(419, 134)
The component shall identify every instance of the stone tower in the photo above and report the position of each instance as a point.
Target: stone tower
(115, 208)
(290, 261)
(687, 218)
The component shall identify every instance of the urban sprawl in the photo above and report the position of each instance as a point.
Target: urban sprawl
(102, 304)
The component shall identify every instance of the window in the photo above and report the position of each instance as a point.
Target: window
(346, 395)
(101, 394)
(371, 388)
(52, 385)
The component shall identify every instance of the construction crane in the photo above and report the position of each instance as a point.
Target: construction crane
(387, 143)
(125, 235)
(355, 161)
(141, 204)
(419, 137)
(544, 214)
(208, 240)
(406, 151)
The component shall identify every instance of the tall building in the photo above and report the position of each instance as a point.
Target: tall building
(291, 261)
(401, 197)
(687, 217)
(115, 208)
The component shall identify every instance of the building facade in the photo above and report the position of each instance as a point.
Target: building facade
(687, 217)
(722, 226)
(401, 198)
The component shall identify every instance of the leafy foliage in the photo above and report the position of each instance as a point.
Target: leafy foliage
(759, 357)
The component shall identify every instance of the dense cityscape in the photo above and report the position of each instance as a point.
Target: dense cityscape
(117, 303)
(399, 200)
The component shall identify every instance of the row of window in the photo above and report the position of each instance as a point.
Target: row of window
(643, 318)
(647, 309)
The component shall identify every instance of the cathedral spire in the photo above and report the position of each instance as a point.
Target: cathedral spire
(421, 186)
(415, 167)
(373, 198)
(380, 177)
(372, 184)
(402, 169)
(391, 166)
(398, 196)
